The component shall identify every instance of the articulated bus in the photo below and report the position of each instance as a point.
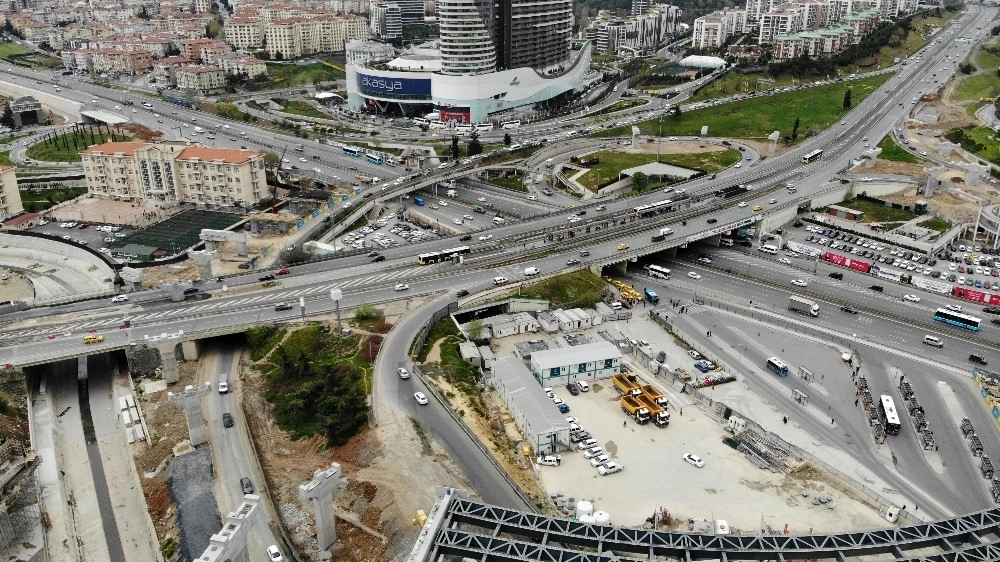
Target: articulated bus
(435, 257)
(374, 158)
(510, 124)
(887, 410)
(653, 208)
(777, 366)
(657, 271)
(957, 319)
(352, 151)
(812, 157)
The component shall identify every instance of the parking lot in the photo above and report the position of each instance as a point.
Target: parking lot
(385, 233)
(83, 233)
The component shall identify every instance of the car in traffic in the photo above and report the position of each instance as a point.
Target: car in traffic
(758, 208)
(246, 485)
(694, 460)
(785, 261)
(283, 271)
(850, 309)
(227, 420)
(573, 261)
(705, 260)
(119, 298)
(190, 290)
(954, 307)
(282, 306)
(421, 398)
(911, 298)
(401, 287)
(622, 247)
(266, 277)
(694, 275)
(274, 555)
(462, 293)
(799, 282)
(743, 204)
(465, 238)
(486, 237)
(403, 373)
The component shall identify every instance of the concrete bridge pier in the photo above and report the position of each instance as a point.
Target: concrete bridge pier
(190, 399)
(168, 361)
(190, 350)
(319, 491)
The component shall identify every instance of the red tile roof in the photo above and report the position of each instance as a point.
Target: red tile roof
(126, 148)
(207, 154)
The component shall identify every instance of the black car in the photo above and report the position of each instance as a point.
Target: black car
(850, 309)
(572, 389)
(584, 254)
(462, 293)
(837, 275)
(465, 238)
(282, 306)
(991, 310)
(876, 288)
(661, 357)
(227, 419)
(378, 258)
(573, 261)
(713, 221)
(246, 485)
(995, 321)
(581, 213)
(267, 277)
(976, 358)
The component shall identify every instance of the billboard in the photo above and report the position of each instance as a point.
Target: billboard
(844, 261)
(394, 87)
(890, 274)
(459, 115)
(802, 249)
(932, 285)
(973, 295)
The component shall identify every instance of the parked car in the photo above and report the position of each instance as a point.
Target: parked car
(694, 460)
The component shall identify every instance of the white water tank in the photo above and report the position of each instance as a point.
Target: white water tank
(602, 518)
(584, 507)
(586, 519)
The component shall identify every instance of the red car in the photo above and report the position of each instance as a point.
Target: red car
(625, 303)
(282, 271)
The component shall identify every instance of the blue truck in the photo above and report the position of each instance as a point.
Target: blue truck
(419, 201)
(651, 297)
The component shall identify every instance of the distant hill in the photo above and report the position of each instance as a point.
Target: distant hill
(692, 8)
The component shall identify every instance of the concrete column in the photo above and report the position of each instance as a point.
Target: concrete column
(319, 491)
(230, 543)
(190, 350)
(168, 361)
(190, 399)
(204, 260)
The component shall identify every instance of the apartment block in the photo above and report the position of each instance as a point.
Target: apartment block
(636, 34)
(203, 79)
(828, 40)
(244, 33)
(164, 69)
(235, 64)
(10, 197)
(170, 173)
(713, 30)
(296, 37)
(121, 62)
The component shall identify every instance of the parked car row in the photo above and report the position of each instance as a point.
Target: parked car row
(586, 444)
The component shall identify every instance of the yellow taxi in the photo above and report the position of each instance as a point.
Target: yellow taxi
(623, 246)
(93, 338)
(758, 208)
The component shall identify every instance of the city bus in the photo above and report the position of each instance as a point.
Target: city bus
(777, 366)
(890, 417)
(352, 151)
(435, 257)
(516, 124)
(957, 319)
(484, 127)
(812, 157)
(657, 271)
(653, 208)
(421, 121)
(651, 296)
(374, 158)
(463, 129)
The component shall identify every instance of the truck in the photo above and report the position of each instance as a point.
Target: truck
(634, 409)
(479, 209)
(452, 193)
(625, 386)
(656, 412)
(803, 305)
(651, 296)
(656, 396)
(419, 201)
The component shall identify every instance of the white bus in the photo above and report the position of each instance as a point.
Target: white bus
(887, 408)
(484, 127)
(421, 121)
(657, 271)
(438, 125)
(510, 124)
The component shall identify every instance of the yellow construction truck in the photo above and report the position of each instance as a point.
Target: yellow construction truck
(625, 386)
(634, 409)
(656, 412)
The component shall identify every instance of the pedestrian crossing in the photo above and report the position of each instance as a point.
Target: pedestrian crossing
(222, 305)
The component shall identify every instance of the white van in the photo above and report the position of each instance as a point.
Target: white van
(498, 220)
(499, 280)
(934, 341)
(583, 386)
(532, 198)
(529, 271)
(768, 249)
(223, 383)
(616, 305)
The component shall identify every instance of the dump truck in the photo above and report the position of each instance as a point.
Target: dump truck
(634, 409)
(656, 396)
(625, 386)
(803, 305)
(656, 413)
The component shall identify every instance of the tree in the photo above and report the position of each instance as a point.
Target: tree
(795, 129)
(476, 329)
(640, 182)
(7, 120)
(506, 139)
(365, 311)
(454, 147)
(847, 99)
(271, 159)
(475, 147)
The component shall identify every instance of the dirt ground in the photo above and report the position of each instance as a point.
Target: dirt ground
(105, 211)
(692, 147)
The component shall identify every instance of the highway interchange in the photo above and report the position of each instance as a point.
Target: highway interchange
(899, 325)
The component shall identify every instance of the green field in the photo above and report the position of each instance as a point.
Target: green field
(67, 147)
(612, 163)
(937, 224)
(9, 49)
(818, 107)
(895, 153)
(291, 75)
(299, 107)
(35, 200)
(878, 213)
(988, 138)
(513, 184)
(985, 84)
(579, 289)
(619, 105)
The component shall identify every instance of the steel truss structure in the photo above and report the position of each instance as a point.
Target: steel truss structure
(489, 533)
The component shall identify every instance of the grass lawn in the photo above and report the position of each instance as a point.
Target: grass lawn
(619, 106)
(614, 162)
(5, 159)
(577, 289)
(878, 213)
(988, 138)
(937, 224)
(39, 200)
(67, 147)
(818, 107)
(986, 84)
(513, 184)
(298, 107)
(289, 75)
(894, 153)
(8, 49)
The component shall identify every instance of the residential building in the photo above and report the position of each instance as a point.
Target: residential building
(120, 62)
(203, 79)
(386, 20)
(252, 67)
(358, 50)
(636, 35)
(713, 30)
(292, 32)
(164, 70)
(10, 197)
(170, 173)
(244, 33)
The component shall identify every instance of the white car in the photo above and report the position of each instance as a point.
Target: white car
(738, 165)
(302, 160)
(486, 237)
(694, 460)
(402, 287)
(469, 217)
(953, 307)
(693, 275)
(119, 298)
(591, 453)
(742, 204)
(481, 199)
(772, 200)
(599, 460)
(274, 555)
(574, 219)
(420, 398)
(911, 298)
(785, 261)
(403, 374)
(799, 283)
(556, 400)
(443, 203)
(610, 468)
(549, 460)
(456, 221)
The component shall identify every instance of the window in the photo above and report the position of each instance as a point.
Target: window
(581, 368)
(609, 363)
(554, 372)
